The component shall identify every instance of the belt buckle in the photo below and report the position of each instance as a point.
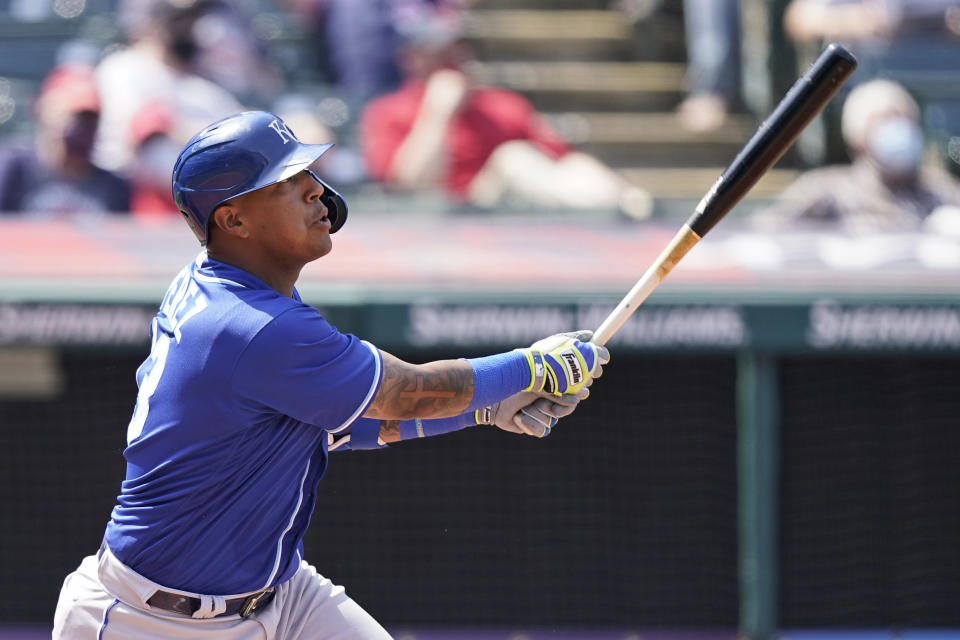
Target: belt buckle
(252, 602)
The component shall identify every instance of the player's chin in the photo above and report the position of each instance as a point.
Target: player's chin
(322, 245)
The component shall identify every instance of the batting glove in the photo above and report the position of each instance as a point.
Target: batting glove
(564, 363)
(534, 414)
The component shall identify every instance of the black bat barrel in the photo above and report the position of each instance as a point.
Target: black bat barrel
(806, 98)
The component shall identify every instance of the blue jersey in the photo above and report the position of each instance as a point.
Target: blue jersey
(228, 439)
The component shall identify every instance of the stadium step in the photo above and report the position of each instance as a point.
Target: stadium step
(539, 4)
(580, 85)
(556, 25)
(691, 183)
(571, 34)
(632, 128)
(625, 138)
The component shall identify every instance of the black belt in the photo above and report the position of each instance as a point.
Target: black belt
(188, 605)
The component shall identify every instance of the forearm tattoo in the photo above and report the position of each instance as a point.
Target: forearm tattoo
(435, 390)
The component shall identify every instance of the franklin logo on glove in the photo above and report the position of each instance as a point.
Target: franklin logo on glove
(575, 374)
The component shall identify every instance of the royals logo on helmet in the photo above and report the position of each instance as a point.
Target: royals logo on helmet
(283, 131)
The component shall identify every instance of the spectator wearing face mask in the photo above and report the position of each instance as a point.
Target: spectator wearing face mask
(887, 186)
(159, 65)
(55, 174)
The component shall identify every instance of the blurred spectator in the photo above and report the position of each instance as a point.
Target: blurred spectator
(55, 174)
(712, 37)
(154, 154)
(913, 42)
(886, 187)
(869, 21)
(359, 39)
(157, 67)
(481, 145)
(230, 53)
(361, 56)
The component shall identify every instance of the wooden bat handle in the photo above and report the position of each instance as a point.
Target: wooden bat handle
(681, 243)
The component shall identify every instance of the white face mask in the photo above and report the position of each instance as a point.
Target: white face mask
(896, 145)
(155, 159)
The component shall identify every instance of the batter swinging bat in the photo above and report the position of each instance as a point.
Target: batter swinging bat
(809, 94)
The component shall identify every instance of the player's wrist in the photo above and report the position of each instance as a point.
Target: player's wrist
(419, 428)
(538, 369)
(486, 415)
(499, 376)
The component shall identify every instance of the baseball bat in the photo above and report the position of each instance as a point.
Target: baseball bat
(805, 99)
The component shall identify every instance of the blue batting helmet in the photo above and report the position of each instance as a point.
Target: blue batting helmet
(240, 154)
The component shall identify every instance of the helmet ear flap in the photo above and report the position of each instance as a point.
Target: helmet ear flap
(336, 207)
(200, 233)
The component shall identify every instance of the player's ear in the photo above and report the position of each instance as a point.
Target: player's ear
(229, 219)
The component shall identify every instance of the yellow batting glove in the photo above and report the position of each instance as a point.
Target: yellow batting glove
(564, 364)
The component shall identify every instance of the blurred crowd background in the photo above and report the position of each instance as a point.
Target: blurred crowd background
(633, 106)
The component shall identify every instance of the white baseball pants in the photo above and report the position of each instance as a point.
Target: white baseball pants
(106, 600)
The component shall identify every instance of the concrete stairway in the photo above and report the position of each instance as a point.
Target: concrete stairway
(610, 86)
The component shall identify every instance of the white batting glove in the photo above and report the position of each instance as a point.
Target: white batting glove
(533, 414)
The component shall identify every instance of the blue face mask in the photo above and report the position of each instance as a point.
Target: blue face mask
(896, 146)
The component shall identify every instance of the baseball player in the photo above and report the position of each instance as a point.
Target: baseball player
(244, 393)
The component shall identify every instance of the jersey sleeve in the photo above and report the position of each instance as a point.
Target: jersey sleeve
(301, 366)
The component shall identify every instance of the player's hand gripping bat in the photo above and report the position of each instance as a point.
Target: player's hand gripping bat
(809, 94)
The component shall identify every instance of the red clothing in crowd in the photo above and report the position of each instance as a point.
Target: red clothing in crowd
(488, 118)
